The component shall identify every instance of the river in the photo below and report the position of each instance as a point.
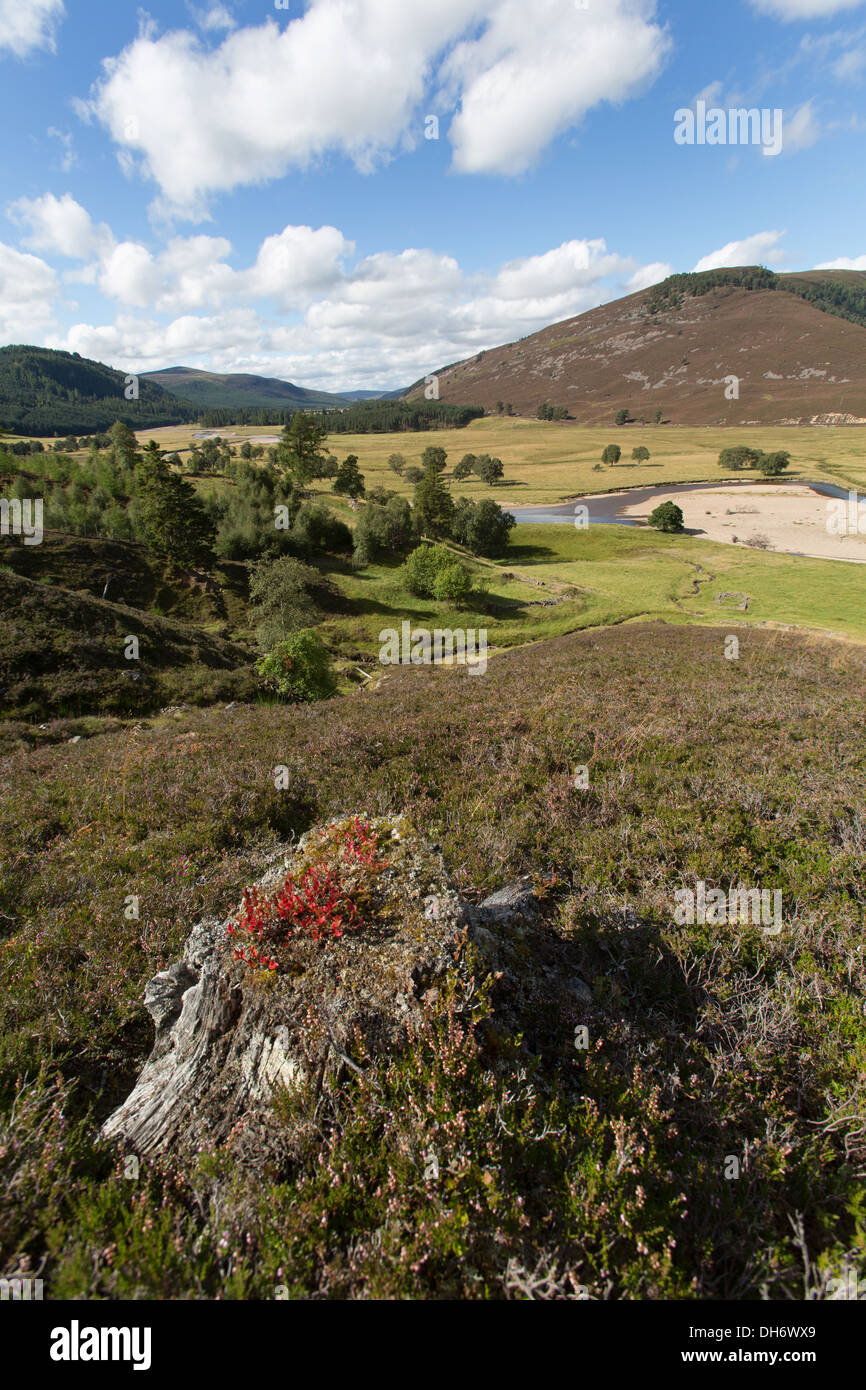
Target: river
(605, 508)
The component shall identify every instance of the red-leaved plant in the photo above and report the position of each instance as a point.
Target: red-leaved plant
(317, 905)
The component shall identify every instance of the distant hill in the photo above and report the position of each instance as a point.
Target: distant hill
(238, 390)
(220, 389)
(375, 395)
(796, 342)
(44, 391)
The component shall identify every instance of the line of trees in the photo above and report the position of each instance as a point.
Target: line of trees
(838, 297)
(612, 454)
(367, 417)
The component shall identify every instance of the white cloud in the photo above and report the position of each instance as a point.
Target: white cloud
(648, 275)
(27, 288)
(760, 249)
(802, 130)
(295, 265)
(292, 267)
(536, 70)
(569, 266)
(300, 307)
(851, 65)
(803, 9)
(131, 275)
(28, 25)
(216, 18)
(389, 319)
(59, 225)
(350, 76)
(844, 263)
(69, 158)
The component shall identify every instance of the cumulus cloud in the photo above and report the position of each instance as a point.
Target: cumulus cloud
(762, 248)
(803, 9)
(350, 75)
(303, 306)
(292, 267)
(28, 25)
(27, 289)
(390, 318)
(536, 70)
(59, 225)
(648, 275)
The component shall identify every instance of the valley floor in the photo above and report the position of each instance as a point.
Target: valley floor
(790, 517)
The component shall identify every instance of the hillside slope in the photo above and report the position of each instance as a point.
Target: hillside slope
(600, 1166)
(62, 653)
(240, 389)
(795, 361)
(44, 391)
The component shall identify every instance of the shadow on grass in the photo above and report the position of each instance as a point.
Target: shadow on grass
(526, 555)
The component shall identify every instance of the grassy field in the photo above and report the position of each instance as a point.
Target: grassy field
(628, 572)
(63, 647)
(546, 462)
(607, 575)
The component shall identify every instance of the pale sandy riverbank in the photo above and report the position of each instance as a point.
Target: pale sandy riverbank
(791, 517)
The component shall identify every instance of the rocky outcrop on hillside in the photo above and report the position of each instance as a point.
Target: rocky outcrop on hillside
(333, 956)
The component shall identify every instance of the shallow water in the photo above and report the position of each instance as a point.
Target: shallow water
(605, 508)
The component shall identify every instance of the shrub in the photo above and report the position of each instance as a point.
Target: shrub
(280, 600)
(452, 584)
(298, 669)
(318, 529)
(383, 527)
(320, 904)
(667, 517)
(422, 567)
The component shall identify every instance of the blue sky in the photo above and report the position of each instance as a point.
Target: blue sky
(247, 187)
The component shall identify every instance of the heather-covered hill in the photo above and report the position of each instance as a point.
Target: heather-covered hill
(797, 343)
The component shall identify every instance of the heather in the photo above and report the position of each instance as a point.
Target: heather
(558, 1168)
